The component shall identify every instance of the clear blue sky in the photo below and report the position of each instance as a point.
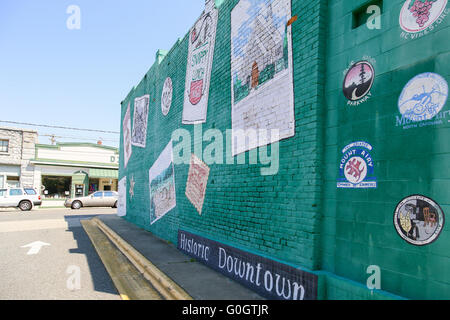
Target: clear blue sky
(77, 78)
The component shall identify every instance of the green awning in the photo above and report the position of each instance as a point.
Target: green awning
(104, 173)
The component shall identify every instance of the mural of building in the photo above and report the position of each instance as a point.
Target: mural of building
(356, 208)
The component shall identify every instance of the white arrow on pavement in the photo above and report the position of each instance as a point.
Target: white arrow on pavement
(35, 247)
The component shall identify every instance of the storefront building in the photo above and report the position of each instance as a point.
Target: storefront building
(75, 169)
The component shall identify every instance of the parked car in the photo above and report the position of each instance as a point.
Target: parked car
(22, 198)
(97, 199)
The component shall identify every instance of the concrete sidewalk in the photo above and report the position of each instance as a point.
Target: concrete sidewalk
(198, 280)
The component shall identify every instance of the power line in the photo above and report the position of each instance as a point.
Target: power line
(76, 138)
(57, 127)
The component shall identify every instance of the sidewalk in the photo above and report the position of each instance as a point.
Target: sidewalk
(198, 280)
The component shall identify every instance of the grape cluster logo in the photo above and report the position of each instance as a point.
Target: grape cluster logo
(358, 81)
(419, 16)
(418, 220)
(356, 169)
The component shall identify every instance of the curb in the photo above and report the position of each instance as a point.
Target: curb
(161, 282)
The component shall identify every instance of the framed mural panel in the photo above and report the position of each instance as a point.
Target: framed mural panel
(202, 39)
(162, 185)
(262, 71)
(196, 183)
(127, 150)
(122, 200)
(140, 121)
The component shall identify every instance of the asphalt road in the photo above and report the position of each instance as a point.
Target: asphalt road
(62, 266)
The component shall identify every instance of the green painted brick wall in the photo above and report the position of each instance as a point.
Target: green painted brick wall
(357, 227)
(298, 216)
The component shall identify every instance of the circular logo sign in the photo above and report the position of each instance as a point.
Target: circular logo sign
(418, 15)
(358, 80)
(166, 96)
(418, 220)
(423, 97)
(355, 170)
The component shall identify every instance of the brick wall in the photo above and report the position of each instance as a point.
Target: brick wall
(298, 216)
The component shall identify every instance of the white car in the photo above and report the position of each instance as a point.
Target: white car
(22, 198)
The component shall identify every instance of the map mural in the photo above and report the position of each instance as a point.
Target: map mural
(162, 185)
(261, 68)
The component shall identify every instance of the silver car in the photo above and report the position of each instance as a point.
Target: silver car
(97, 199)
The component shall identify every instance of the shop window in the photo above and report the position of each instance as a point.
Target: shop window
(56, 187)
(13, 182)
(368, 11)
(4, 146)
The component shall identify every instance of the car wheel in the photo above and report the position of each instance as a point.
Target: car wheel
(115, 205)
(76, 205)
(25, 205)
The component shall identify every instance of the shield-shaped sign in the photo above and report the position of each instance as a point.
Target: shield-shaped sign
(196, 92)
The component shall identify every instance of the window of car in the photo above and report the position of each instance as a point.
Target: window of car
(109, 194)
(98, 194)
(15, 192)
(2, 192)
(30, 191)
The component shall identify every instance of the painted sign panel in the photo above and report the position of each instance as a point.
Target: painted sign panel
(202, 39)
(162, 185)
(418, 15)
(196, 183)
(261, 70)
(418, 220)
(140, 121)
(268, 278)
(356, 169)
(423, 97)
(358, 81)
(166, 96)
(122, 200)
(127, 150)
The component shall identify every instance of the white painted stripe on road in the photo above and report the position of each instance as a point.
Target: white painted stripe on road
(29, 225)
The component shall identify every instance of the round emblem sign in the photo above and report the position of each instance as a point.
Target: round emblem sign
(358, 80)
(423, 97)
(166, 96)
(418, 15)
(418, 220)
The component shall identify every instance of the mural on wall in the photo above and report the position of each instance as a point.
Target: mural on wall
(122, 200)
(418, 220)
(261, 69)
(166, 96)
(358, 81)
(196, 183)
(269, 278)
(140, 121)
(423, 97)
(356, 169)
(162, 185)
(202, 38)
(127, 150)
(419, 17)
(131, 191)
